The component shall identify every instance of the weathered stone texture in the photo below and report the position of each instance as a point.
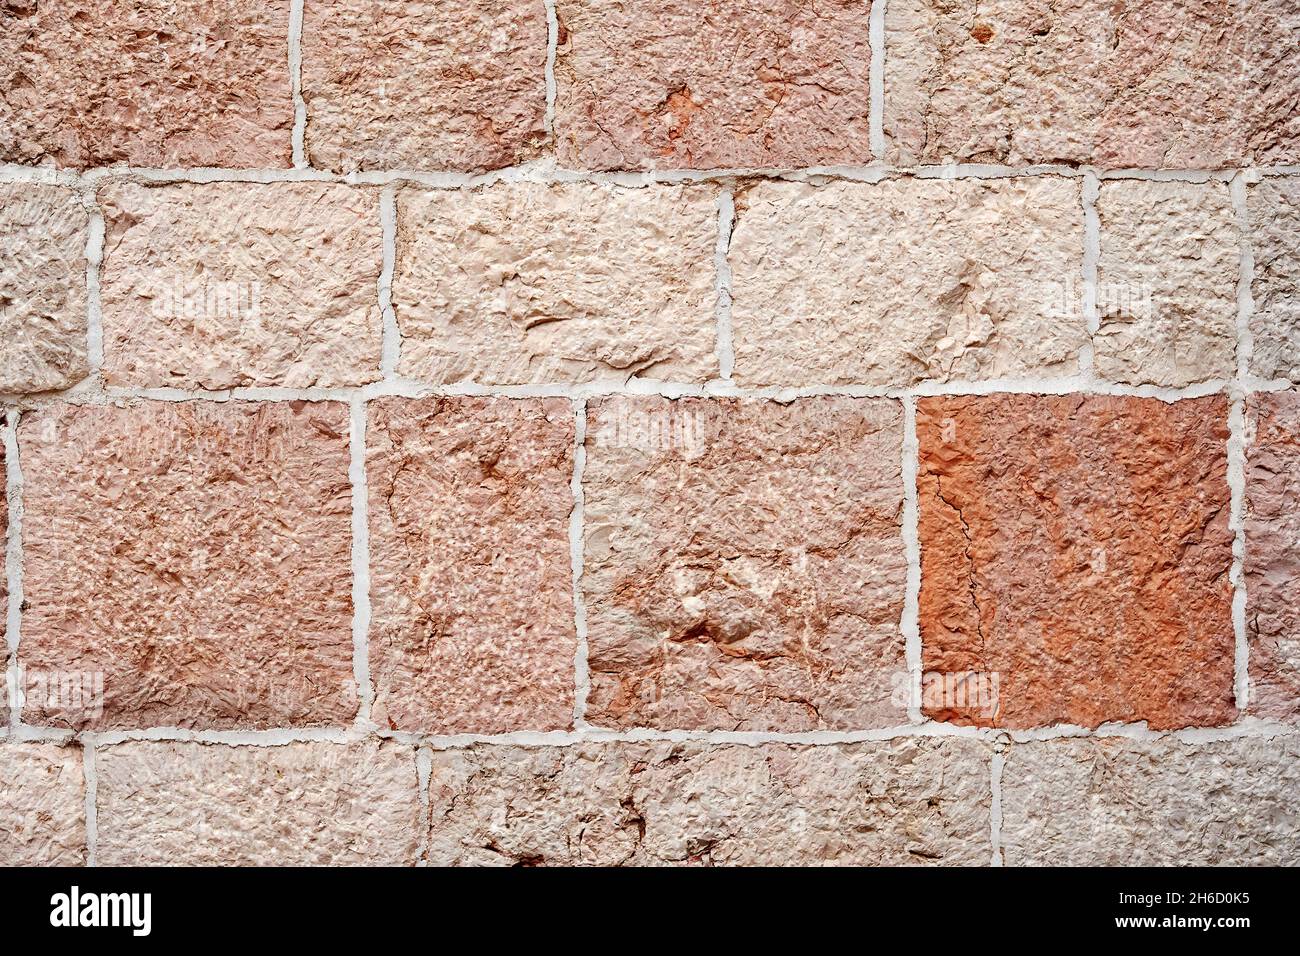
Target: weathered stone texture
(471, 579)
(1167, 283)
(166, 83)
(195, 553)
(4, 547)
(424, 85)
(744, 565)
(705, 85)
(1120, 802)
(895, 282)
(1112, 83)
(42, 287)
(530, 282)
(1078, 547)
(42, 805)
(224, 285)
(1272, 562)
(920, 801)
(1274, 209)
(304, 804)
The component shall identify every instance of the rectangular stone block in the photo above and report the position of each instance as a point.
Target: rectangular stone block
(1272, 560)
(1166, 283)
(42, 805)
(192, 560)
(423, 85)
(1075, 554)
(227, 285)
(42, 287)
(1190, 84)
(904, 280)
(169, 83)
(1273, 206)
(532, 282)
(697, 84)
(471, 583)
(744, 564)
(1120, 802)
(163, 803)
(913, 801)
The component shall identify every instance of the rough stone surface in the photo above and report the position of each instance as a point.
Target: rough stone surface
(42, 805)
(919, 801)
(1167, 283)
(424, 85)
(699, 84)
(197, 554)
(4, 547)
(530, 282)
(1078, 547)
(1120, 802)
(891, 283)
(223, 285)
(1113, 83)
(165, 83)
(744, 565)
(1272, 561)
(42, 287)
(1274, 209)
(470, 572)
(304, 804)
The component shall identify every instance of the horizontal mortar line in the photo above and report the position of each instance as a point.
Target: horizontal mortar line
(405, 388)
(546, 170)
(1249, 727)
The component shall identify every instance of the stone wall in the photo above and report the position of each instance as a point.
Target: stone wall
(605, 431)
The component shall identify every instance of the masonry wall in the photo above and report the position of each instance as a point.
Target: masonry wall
(595, 432)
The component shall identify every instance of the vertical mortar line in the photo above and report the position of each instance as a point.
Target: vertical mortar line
(995, 800)
(423, 771)
(295, 85)
(360, 562)
(552, 46)
(876, 79)
(13, 565)
(392, 340)
(94, 259)
(90, 776)
(1236, 524)
(724, 347)
(1091, 256)
(910, 625)
(1239, 439)
(581, 673)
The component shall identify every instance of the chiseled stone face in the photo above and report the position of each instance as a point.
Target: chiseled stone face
(1077, 547)
(224, 285)
(169, 83)
(1272, 561)
(471, 581)
(164, 803)
(42, 805)
(891, 283)
(744, 564)
(1113, 83)
(1120, 802)
(530, 282)
(1274, 209)
(423, 85)
(197, 555)
(909, 801)
(696, 84)
(42, 287)
(1166, 283)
